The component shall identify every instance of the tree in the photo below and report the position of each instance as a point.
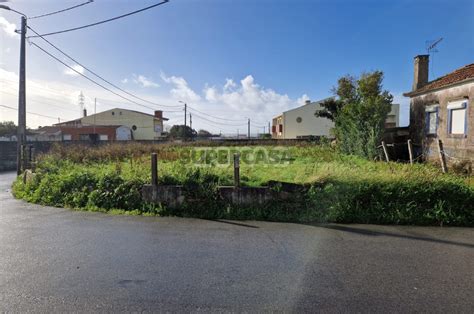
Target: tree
(183, 132)
(359, 113)
(7, 128)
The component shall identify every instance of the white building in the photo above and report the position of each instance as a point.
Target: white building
(143, 126)
(301, 122)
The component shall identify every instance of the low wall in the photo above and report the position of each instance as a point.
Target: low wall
(8, 153)
(174, 195)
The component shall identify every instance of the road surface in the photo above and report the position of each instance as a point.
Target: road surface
(54, 259)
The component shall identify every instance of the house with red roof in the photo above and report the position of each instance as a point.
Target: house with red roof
(442, 109)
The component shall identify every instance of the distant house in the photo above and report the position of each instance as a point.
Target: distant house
(143, 126)
(301, 122)
(82, 133)
(442, 109)
(393, 117)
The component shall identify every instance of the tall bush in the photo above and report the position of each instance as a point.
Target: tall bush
(359, 112)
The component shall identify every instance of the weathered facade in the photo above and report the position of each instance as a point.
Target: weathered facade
(442, 110)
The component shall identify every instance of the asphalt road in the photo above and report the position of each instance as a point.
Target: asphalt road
(58, 260)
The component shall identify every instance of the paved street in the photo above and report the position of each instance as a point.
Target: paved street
(59, 260)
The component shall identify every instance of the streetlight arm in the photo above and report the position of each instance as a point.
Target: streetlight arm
(6, 7)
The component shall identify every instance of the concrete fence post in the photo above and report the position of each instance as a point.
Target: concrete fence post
(154, 169)
(410, 151)
(385, 151)
(33, 158)
(442, 157)
(24, 157)
(237, 170)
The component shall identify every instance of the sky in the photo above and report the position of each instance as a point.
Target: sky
(228, 60)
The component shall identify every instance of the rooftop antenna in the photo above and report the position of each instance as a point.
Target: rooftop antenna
(431, 48)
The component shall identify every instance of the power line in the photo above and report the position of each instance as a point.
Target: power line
(42, 103)
(102, 22)
(97, 75)
(60, 11)
(215, 117)
(88, 78)
(219, 123)
(33, 113)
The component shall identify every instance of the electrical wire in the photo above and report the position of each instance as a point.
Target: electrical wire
(42, 103)
(215, 117)
(97, 75)
(60, 11)
(102, 22)
(219, 123)
(89, 79)
(33, 113)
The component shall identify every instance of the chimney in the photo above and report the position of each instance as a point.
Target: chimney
(421, 71)
(159, 114)
(307, 102)
(85, 112)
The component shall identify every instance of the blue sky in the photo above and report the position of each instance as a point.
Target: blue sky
(232, 59)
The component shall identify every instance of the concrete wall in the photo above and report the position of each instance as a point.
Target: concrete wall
(8, 153)
(459, 146)
(174, 196)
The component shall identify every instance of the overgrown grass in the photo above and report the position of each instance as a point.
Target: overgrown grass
(342, 188)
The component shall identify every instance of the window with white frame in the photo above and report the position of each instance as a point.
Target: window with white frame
(457, 114)
(432, 119)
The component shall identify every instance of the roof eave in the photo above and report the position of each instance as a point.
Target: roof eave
(418, 93)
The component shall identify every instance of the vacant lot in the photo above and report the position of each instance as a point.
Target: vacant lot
(338, 188)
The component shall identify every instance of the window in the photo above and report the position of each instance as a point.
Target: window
(134, 127)
(299, 119)
(103, 137)
(432, 119)
(457, 114)
(67, 137)
(113, 113)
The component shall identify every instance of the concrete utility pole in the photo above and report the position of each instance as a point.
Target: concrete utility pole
(190, 120)
(269, 130)
(248, 127)
(185, 110)
(21, 132)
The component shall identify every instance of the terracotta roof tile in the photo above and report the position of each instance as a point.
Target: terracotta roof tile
(459, 75)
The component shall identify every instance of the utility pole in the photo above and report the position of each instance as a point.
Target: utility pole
(185, 110)
(190, 120)
(269, 130)
(248, 127)
(95, 111)
(21, 133)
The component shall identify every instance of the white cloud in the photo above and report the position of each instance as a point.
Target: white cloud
(229, 84)
(77, 69)
(144, 82)
(7, 27)
(249, 96)
(302, 100)
(124, 81)
(181, 90)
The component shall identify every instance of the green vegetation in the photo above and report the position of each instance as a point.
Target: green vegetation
(341, 188)
(359, 111)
